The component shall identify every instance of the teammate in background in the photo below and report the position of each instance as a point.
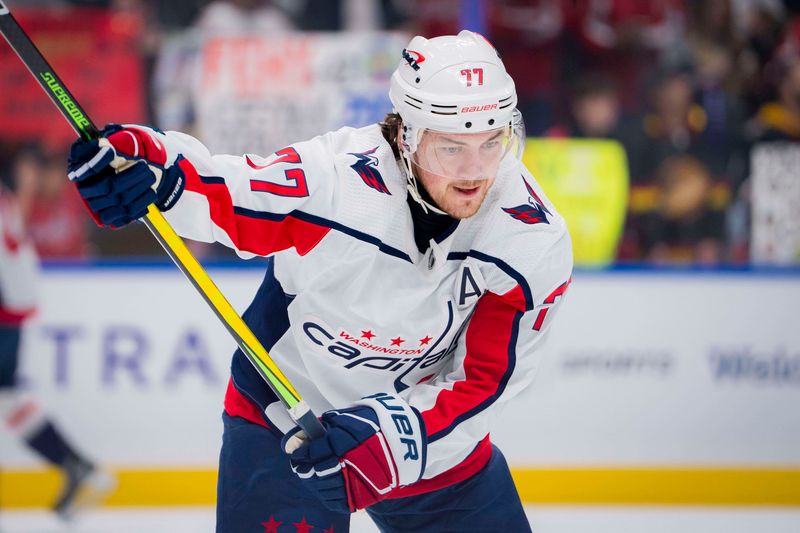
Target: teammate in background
(83, 483)
(416, 267)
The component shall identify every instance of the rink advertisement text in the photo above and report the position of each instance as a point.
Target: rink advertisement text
(126, 354)
(642, 369)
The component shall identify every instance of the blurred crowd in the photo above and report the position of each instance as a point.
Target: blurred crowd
(687, 88)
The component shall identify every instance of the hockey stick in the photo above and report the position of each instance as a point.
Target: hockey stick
(164, 234)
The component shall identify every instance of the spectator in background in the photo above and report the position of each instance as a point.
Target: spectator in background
(594, 110)
(762, 22)
(672, 161)
(241, 16)
(672, 125)
(347, 15)
(790, 45)
(625, 38)
(51, 209)
(779, 119)
(686, 228)
(21, 414)
(174, 15)
(432, 18)
(528, 34)
(716, 54)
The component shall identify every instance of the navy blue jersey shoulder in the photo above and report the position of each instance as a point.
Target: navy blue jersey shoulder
(268, 319)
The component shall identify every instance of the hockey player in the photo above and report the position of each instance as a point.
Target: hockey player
(83, 482)
(416, 268)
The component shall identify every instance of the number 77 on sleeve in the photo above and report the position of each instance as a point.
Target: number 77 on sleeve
(295, 185)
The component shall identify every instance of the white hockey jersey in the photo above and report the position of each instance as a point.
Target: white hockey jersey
(19, 264)
(455, 331)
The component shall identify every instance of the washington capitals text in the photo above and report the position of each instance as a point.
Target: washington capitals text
(348, 347)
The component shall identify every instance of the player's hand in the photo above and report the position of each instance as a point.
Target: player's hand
(368, 449)
(122, 172)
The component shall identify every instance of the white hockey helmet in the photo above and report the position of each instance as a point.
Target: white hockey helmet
(456, 85)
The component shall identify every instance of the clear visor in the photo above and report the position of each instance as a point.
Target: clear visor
(466, 156)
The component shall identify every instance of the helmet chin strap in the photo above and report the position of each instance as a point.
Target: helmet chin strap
(412, 186)
(409, 144)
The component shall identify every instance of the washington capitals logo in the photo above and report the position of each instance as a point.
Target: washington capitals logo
(367, 168)
(413, 58)
(533, 212)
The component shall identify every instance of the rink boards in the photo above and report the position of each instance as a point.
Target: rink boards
(657, 387)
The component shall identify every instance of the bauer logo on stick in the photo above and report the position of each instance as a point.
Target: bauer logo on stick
(3, 9)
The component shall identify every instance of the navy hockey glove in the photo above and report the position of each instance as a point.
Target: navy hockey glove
(122, 172)
(368, 449)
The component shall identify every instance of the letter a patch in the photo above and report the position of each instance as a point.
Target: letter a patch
(469, 285)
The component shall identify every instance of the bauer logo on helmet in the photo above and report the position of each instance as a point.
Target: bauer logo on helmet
(476, 108)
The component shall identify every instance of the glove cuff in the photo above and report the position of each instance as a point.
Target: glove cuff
(171, 186)
(404, 430)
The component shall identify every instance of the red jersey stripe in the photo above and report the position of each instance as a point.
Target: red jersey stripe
(237, 405)
(22, 414)
(15, 317)
(260, 236)
(489, 362)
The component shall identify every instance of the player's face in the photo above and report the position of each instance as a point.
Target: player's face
(457, 170)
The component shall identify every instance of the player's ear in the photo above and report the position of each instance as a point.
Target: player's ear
(399, 139)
